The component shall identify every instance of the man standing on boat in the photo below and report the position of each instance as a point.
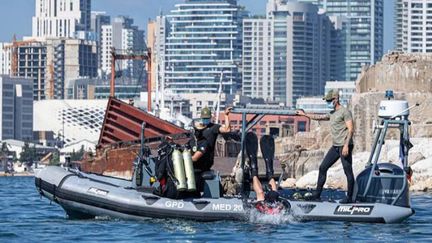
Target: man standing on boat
(212, 130)
(342, 130)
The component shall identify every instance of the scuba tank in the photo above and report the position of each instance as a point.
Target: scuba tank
(179, 170)
(189, 169)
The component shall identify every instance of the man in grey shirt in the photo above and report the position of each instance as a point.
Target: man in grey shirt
(342, 130)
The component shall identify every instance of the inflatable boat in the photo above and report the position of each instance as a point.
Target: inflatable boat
(85, 196)
(381, 195)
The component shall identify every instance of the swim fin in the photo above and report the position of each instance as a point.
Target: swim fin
(267, 145)
(251, 143)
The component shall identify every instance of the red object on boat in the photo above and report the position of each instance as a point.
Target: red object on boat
(123, 123)
(269, 208)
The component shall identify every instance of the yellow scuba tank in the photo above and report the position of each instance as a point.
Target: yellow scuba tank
(189, 169)
(179, 170)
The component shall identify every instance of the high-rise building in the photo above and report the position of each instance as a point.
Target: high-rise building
(287, 54)
(68, 59)
(124, 37)
(32, 64)
(413, 25)
(363, 27)
(398, 22)
(16, 108)
(151, 43)
(61, 18)
(5, 58)
(204, 40)
(157, 34)
(52, 63)
(98, 19)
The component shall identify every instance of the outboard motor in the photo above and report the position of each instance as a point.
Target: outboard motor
(385, 182)
(388, 185)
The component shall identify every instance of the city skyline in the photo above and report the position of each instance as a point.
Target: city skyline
(22, 11)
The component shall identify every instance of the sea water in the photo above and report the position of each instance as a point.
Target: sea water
(26, 217)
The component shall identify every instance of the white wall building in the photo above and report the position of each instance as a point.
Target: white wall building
(106, 48)
(61, 18)
(5, 58)
(76, 120)
(16, 108)
(258, 57)
(75, 147)
(414, 25)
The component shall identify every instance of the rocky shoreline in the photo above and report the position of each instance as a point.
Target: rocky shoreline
(420, 160)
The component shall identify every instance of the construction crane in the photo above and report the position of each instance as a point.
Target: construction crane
(14, 55)
(145, 57)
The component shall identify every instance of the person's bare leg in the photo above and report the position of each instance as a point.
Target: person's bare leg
(258, 188)
(272, 183)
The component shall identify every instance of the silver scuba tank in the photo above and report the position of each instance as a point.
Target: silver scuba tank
(189, 169)
(179, 170)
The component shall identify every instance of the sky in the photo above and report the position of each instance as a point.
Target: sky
(16, 15)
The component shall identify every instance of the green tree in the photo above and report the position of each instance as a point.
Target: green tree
(55, 159)
(28, 154)
(77, 156)
(4, 154)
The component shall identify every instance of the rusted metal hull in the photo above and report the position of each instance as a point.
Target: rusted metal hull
(123, 123)
(117, 162)
(119, 141)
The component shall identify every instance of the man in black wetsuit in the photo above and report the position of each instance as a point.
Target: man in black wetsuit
(200, 149)
(211, 132)
(342, 130)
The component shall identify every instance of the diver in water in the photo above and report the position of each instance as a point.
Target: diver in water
(267, 202)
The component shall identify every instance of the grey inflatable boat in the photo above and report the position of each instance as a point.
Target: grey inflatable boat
(381, 196)
(85, 196)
